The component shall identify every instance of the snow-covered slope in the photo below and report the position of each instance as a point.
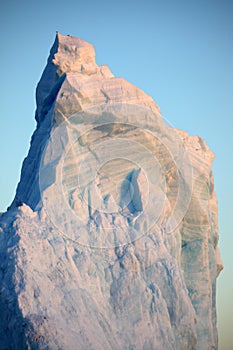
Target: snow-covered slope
(111, 240)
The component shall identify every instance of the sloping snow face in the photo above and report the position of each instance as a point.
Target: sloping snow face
(111, 240)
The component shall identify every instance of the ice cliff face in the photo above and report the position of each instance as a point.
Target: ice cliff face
(111, 240)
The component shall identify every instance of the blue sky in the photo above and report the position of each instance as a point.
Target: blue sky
(179, 52)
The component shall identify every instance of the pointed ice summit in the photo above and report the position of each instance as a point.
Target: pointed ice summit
(111, 241)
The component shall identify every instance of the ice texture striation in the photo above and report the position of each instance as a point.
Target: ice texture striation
(111, 241)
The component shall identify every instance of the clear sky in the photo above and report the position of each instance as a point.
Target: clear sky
(180, 52)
